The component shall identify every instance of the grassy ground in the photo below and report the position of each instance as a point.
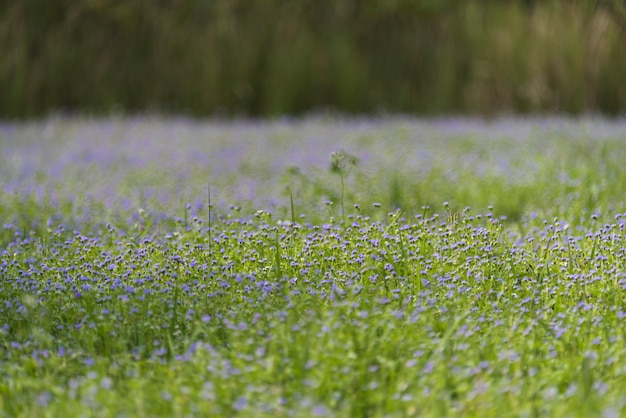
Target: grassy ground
(313, 267)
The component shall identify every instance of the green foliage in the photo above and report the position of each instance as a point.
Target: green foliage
(275, 57)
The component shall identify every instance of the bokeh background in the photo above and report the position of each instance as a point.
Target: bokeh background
(272, 57)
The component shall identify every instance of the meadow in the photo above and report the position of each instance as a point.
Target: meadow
(313, 267)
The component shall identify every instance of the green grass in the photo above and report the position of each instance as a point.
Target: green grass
(493, 289)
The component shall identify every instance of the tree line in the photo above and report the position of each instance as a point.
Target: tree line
(245, 57)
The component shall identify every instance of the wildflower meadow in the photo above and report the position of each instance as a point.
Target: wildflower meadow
(313, 267)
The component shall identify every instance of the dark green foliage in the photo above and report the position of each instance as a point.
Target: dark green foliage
(273, 57)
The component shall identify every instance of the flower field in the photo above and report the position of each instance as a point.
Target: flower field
(314, 267)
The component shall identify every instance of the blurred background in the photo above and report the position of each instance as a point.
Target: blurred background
(274, 57)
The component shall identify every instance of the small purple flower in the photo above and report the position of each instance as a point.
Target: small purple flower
(429, 367)
(43, 399)
(320, 411)
(106, 383)
(241, 403)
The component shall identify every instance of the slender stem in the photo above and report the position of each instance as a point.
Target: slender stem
(343, 213)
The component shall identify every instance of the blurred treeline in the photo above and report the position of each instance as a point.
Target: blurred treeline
(267, 57)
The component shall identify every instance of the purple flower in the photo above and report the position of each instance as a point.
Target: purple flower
(44, 398)
(429, 367)
(241, 403)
